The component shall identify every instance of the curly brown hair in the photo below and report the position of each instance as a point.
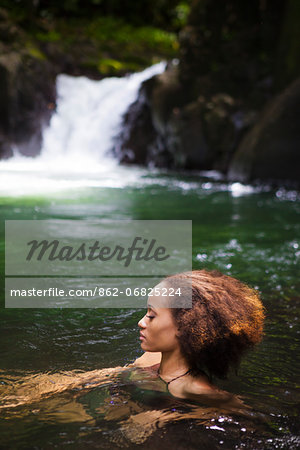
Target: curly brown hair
(226, 319)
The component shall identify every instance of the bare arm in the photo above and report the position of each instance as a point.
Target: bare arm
(35, 387)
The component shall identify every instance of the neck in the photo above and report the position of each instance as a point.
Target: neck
(172, 364)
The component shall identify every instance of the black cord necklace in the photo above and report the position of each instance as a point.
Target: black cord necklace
(168, 382)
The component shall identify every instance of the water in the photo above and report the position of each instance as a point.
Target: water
(248, 232)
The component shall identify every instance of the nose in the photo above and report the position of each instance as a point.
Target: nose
(142, 323)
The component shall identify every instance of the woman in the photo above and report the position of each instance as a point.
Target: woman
(188, 346)
(184, 347)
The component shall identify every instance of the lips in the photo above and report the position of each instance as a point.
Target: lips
(142, 336)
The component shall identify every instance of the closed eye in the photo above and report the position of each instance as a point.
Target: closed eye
(151, 314)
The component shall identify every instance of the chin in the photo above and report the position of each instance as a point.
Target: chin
(146, 347)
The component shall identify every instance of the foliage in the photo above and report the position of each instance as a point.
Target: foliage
(167, 14)
(110, 37)
(109, 45)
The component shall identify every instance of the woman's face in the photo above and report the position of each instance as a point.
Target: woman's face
(158, 330)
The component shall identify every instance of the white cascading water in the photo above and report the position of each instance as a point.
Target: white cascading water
(77, 143)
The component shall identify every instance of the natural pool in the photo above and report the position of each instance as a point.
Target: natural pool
(250, 233)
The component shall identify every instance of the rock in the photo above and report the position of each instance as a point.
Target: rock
(201, 111)
(9, 32)
(138, 134)
(177, 123)
(27, 99)
(185, 139)
(165, 127)
(219, 128)
(271, 150)
(160, 129)
(147, 126)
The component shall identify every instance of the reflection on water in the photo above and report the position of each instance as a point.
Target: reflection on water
(121, 408)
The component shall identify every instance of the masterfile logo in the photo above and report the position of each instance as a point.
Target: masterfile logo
(53, 250)
(77, 263)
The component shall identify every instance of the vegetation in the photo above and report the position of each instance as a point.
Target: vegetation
(159, 13)
(108, 37)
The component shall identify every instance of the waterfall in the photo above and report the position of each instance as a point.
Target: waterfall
(79, 137)
(89, 115)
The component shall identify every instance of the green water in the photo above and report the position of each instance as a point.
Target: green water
(254, 236)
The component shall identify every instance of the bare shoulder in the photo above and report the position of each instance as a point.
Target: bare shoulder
(148, 359)
(198, 386)
(200, 389)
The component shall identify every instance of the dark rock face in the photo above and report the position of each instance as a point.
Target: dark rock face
(166, 127)
(205, 112)
(139, 130)
(160, 130)
(27, 92)
(27, 98)
(27, 85)
(201, 108)
(271, 150)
